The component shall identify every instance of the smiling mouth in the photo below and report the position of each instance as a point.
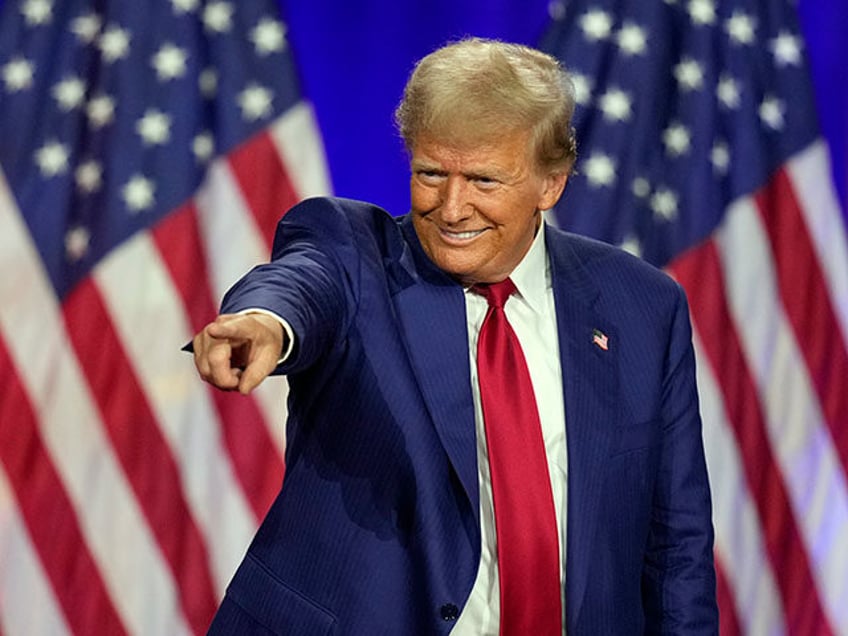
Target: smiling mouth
(460, 237)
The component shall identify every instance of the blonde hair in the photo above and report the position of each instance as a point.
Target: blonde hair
(477, 90)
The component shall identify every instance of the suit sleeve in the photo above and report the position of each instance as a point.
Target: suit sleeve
(679, 575)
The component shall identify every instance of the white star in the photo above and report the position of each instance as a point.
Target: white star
(37, 12)
(676, 139)
(86, 27)
(664, 204)
(89, 176)
(268, 36)
(582, 88)
(114, 43)
(702, 12)
(154, 127)
(600, 170)
(786, 49)
(720, 157)
(596, 25)
(772, 111)
(217, 16)
(255, 102)
(138, 193)
(632, 39)
(52, 158)
(69, 93)
(203, 147)
(640, 187)
(615, 104)
(740, 27)
(17, 73)
(208, 82)
(728, 91)
(632, 245)
(169, 62)
(77, 241)
(100, 110)
(184, 6)
(689, 74)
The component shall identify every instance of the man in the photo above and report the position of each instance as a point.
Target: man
(461, 459)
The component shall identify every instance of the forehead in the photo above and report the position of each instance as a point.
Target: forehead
(510, 149)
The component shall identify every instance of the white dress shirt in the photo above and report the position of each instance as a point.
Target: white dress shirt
(532, 316)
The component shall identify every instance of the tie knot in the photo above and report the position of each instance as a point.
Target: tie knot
(496, 293)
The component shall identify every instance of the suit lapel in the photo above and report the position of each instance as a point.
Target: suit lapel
(591, 393)
(431, 309)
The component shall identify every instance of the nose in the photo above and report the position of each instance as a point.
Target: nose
(455, 205)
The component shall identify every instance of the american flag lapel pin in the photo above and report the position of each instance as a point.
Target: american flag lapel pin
(600, 339)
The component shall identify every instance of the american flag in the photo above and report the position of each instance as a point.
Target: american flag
(147, 151)
(699, 151)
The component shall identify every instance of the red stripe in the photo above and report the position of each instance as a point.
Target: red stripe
(264, 182)
(699, 271)
(728, 613)
(808, 305)
(257, 463)
(142, 450)
(48, 514)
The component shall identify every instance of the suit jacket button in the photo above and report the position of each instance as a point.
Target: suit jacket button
(450, 612)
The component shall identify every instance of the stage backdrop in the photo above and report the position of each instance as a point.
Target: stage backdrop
(147, 149)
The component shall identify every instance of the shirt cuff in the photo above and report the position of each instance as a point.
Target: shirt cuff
(283, 323)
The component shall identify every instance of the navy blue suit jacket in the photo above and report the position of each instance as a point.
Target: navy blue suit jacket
(376, 528)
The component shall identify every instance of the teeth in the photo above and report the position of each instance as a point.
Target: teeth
(464, 235)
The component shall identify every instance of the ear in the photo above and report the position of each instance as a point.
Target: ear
(554, 184)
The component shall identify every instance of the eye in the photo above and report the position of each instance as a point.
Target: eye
(429, 177)
(485, 183)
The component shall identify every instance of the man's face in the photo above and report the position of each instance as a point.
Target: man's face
(476, 210)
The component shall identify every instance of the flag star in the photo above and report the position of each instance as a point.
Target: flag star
(154, 127)
(268, 36)
(169, 62)
(582, 88)
(596, 25)
(89, 176)
(728, 91)
(632, 245)
(255, 102)
(740, 27)
(17, 74)
(615, 104)
(203, 147)
(138, 193)
(689, 74)
(600, 170)
(786, 49)
(86, 27)
(37, 12)
(52, 158)
(772, 111)
(720, 157)
(208, 82)
(664, 204)
(632, 39)
(100, 110)
(676, 139)
(70, 93)
(702, 12)
(114, 43)
(77, 241)
(217, 16)
(640, 187)
(184, 6)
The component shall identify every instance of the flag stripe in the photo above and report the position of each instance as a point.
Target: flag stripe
(298, 141)
(729, 616)
(49, 516)
(254, 454)
(25, 584)
(808, 303)
(135, 436)
(818, 494)
(699, 271)
(739, 533)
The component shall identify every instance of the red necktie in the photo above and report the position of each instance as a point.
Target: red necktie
(525, 521)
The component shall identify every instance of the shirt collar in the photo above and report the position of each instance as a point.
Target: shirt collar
(532, 275)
